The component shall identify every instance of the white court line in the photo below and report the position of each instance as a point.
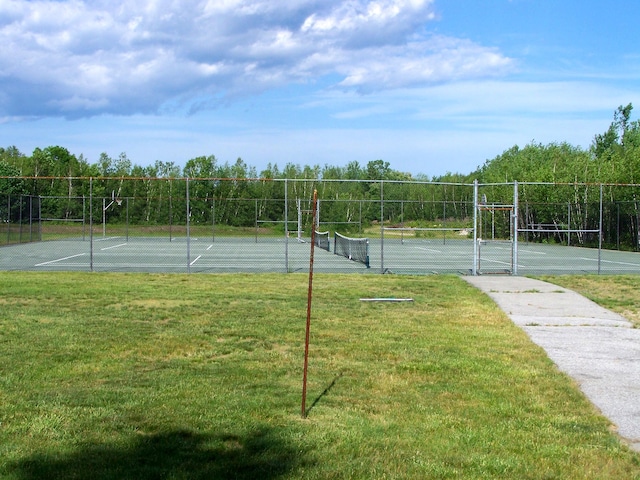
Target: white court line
(499, 262)
(531, 251)
(59, 260)
(482, 260)
(610, 261)
(209, 247)
(105, 239)
(429, 250)
(197, 258)
(113, 246)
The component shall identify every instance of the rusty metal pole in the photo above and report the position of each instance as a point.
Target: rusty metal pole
(309, 296)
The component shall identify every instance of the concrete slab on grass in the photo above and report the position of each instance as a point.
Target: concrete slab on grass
(598, 348)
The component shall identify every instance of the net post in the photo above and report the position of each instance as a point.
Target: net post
(366, 263)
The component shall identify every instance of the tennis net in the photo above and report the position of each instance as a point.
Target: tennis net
(322, 240)
(356, 249)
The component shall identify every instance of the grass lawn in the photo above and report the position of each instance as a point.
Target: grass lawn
(618, 293)
(111, 376)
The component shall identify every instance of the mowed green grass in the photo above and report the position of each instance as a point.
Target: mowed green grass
(618, 293)
(200, 376)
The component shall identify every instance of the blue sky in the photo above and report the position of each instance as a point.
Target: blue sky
(430, 86)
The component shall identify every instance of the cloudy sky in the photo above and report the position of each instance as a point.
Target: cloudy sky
(430, 86)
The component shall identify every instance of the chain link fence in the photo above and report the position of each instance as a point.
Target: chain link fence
(251, 225)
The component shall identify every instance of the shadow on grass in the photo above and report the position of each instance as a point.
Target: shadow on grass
(324, 392)
(175, 455)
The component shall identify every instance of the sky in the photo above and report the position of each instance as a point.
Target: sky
(430, 86)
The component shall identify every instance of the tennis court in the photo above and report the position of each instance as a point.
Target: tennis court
(118, 254)
(271, 254)
(260, 225)
(498, 257)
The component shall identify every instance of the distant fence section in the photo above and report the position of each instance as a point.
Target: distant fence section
(236, 225)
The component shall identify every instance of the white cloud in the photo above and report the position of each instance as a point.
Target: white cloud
(437, 59)
(80, 58)
(483, 101)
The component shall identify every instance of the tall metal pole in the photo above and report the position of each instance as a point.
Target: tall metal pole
(213, 220)
(309, 297)
(286, 227)
(188, 230)
(91, 224)
(84, 216)
(569, 224)
(20, 217)
(170, 212)
(127, 227)
(600, 233)
(514, 259)
(8, 218)
(30, 218)
(474, 269)
(382, 226)
(257, 224)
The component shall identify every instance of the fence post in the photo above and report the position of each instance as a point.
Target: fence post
(257, 225)
(474, 269)
(20, 217)
(600, 233)
(213, 219)
(8, 219)
(127, 225)
(91, 224)
(170, 211)
(188, 228)
(39, 219)
(31, 218)
(84, 216)
(514, 259)
(382, 226)
(286, 227)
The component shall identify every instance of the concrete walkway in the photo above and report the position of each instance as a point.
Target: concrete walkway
(599, 349)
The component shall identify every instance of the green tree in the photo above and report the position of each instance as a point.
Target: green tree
(378, 170)
(201, 167)
(12, 156)
(10, 183)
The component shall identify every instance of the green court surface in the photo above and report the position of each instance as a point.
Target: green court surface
(270, 254)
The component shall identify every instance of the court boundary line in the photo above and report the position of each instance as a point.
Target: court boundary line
(59, 260)
(113, 246)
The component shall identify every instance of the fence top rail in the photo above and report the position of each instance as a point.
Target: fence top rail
(318, 180)
(237, 179)
(559, 230)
